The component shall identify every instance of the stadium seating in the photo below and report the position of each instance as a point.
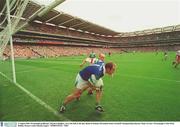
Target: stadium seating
(36, 51)
(41, 40)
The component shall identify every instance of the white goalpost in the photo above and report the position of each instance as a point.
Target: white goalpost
(9, 24)
(10, 16)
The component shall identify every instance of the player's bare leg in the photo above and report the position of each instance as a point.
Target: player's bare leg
(98, 107)
(71, 97)
(76, 93)
(176, 65)
(174, 62)
(84, 89)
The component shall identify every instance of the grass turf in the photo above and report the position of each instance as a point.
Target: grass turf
(144, 88)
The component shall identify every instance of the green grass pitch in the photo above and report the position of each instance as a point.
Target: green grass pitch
(144, 88)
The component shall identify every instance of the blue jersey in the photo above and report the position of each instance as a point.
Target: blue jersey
(94, 69)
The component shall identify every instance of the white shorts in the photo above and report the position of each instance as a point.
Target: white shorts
(99, 83)
(81, 84)
(94, 81)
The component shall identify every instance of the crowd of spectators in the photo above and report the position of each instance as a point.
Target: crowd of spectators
(36, 51)
(30, 46)
(21, 51)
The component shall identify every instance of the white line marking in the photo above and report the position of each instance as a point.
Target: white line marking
(154, 78)
(38, 100)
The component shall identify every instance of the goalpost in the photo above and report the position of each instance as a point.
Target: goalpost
(9, 24)
(10, 16)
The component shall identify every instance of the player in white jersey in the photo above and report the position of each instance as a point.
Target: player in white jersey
(90, 59)
(176, 62)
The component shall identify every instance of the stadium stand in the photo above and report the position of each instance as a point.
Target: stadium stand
(60, 34)
(40, 44)
(37, 51)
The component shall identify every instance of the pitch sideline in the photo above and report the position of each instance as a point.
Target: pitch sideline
(38, 100)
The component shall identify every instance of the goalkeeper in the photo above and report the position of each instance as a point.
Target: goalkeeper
(90, 77)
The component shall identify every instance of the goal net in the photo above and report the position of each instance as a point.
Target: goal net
(10, 15)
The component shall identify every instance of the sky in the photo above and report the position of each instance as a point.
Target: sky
(123, 15)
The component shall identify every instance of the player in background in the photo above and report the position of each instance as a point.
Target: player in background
(176, 62)
(90, 76)
(134, 52)
(165, 55)
(156, 52)
(91, 59)
(99, 61)
(109, 53)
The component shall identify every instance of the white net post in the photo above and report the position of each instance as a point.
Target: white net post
(11, 15)
(11, 41)
(8, 24)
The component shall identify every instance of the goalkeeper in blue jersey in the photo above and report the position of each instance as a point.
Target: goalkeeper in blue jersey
(90, 77)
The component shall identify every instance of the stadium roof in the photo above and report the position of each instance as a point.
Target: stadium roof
(151, 31)
(63, 20)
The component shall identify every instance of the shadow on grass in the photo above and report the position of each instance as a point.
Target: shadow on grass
(83, 110)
